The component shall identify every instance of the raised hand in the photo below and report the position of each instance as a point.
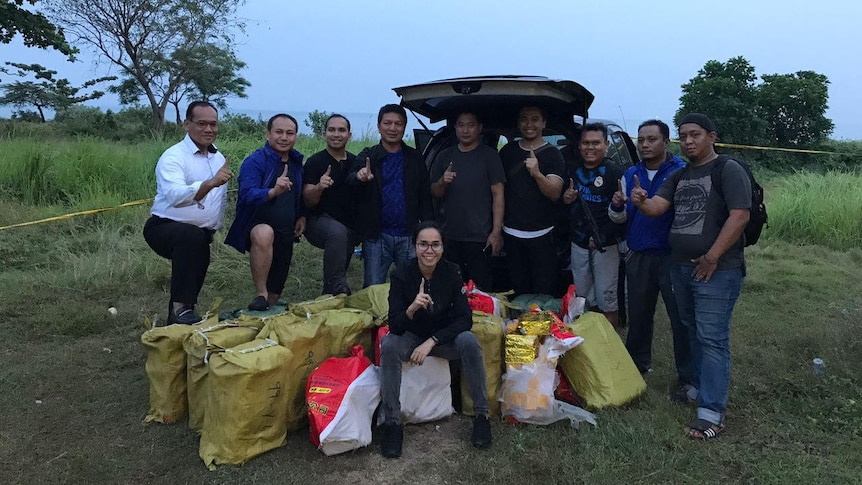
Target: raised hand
(638, 194)
(224, 173)
(325, 180)
(282, 183)
(422, 300)
(364, 174)
(571, 193)
(619, 198)
(448, 175)
(532, 163)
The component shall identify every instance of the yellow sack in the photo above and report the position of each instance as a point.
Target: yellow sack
(600, 370)
(374, 300)
(489, 331)
(310, 307)
(347, 327)
(247, 410)
(166, 370)
(199, 346)
(310, 342)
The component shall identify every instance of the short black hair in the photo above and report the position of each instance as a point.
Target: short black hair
(596, 127)
(662, 127)
(542, 111)
(428, 225)
(392, 108)
(335, 115)
(190, 111)
(281, 115)
(468, 112)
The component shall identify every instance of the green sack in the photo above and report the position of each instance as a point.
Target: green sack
(199, 345)
(373, 299)
(489, 331)
(310, 307)
(247, 406)
(166, 370)
(521, 303)
(600, 369)
(347, 327)
(310, 342)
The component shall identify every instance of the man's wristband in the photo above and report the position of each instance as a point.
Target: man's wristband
(435, 339)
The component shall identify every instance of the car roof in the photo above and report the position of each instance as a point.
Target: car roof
(496, 99)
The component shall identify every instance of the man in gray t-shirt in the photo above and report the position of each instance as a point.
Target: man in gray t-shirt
(711, 199)
(469, 181)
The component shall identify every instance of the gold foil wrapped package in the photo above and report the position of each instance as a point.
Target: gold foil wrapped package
(535, 323)
(521, 349)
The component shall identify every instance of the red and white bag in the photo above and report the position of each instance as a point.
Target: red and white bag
(481, 301)
(572, 306)
(342, 394)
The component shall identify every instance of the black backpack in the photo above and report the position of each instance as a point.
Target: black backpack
(758, 217)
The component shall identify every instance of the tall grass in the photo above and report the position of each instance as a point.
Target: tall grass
(817, 209)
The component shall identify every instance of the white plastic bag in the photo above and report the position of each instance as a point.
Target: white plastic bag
(425, 391)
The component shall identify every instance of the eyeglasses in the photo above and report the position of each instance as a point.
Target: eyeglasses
(203, 124)
(435, 246)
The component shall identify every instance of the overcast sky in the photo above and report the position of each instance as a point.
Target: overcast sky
(343, 55)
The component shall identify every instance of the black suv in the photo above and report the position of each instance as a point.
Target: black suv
(497, 101)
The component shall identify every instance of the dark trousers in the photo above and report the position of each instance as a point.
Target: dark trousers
(188, 248)
(282, 255)
(532, 263)
(648, 274)
(474, 261)
(337, 242)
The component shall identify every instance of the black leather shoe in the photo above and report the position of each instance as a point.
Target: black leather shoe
(393, 438)
(184, 315)
(481, 432)
(259, 304)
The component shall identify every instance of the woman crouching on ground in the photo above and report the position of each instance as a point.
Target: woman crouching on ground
(429, 315)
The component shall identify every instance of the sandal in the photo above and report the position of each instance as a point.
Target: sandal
(701, 429)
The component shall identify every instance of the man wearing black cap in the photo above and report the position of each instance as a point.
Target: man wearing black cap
(711, 199)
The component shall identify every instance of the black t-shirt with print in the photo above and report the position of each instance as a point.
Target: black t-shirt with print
(596, 186)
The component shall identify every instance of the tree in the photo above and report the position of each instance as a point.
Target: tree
(35, 28)
(51, 92)
(317, 122)
(154, 42)
(794, 108)
(726, 92)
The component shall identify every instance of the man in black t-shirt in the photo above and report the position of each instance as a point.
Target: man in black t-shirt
(534, 179)
(327, 196)
(469, 179)
(595, 273)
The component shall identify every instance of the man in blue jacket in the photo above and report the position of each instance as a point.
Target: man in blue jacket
(648, 259)
(269, 213)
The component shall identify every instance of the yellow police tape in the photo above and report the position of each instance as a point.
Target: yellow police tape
(770, 149)
(78, 214)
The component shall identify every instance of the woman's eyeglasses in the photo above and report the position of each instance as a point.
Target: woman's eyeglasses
(435, 246)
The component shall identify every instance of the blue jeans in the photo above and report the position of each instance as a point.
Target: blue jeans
(705, 309)
(380, 253)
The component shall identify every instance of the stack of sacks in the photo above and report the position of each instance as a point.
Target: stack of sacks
(312, 307)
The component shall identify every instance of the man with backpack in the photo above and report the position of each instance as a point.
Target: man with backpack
(712, 201)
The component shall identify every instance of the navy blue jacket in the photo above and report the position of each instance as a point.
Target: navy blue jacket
(648, 233)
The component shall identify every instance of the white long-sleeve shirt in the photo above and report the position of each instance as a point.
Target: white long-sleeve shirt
(180, 172)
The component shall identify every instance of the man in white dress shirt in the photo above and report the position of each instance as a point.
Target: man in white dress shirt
(191, 194)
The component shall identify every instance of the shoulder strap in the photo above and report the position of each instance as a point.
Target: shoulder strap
(519, 166)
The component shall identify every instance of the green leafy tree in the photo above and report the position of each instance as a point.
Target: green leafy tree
(794, 108)
(726, 92)
(156, 43)
(316, 120)
(34, 27)
(46, 91)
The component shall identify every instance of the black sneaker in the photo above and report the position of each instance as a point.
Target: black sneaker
(681, 396)
(393, 438)
(259, 304)
(184, 315)
(481, 432)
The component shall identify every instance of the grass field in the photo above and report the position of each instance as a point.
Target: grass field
(75, 390)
